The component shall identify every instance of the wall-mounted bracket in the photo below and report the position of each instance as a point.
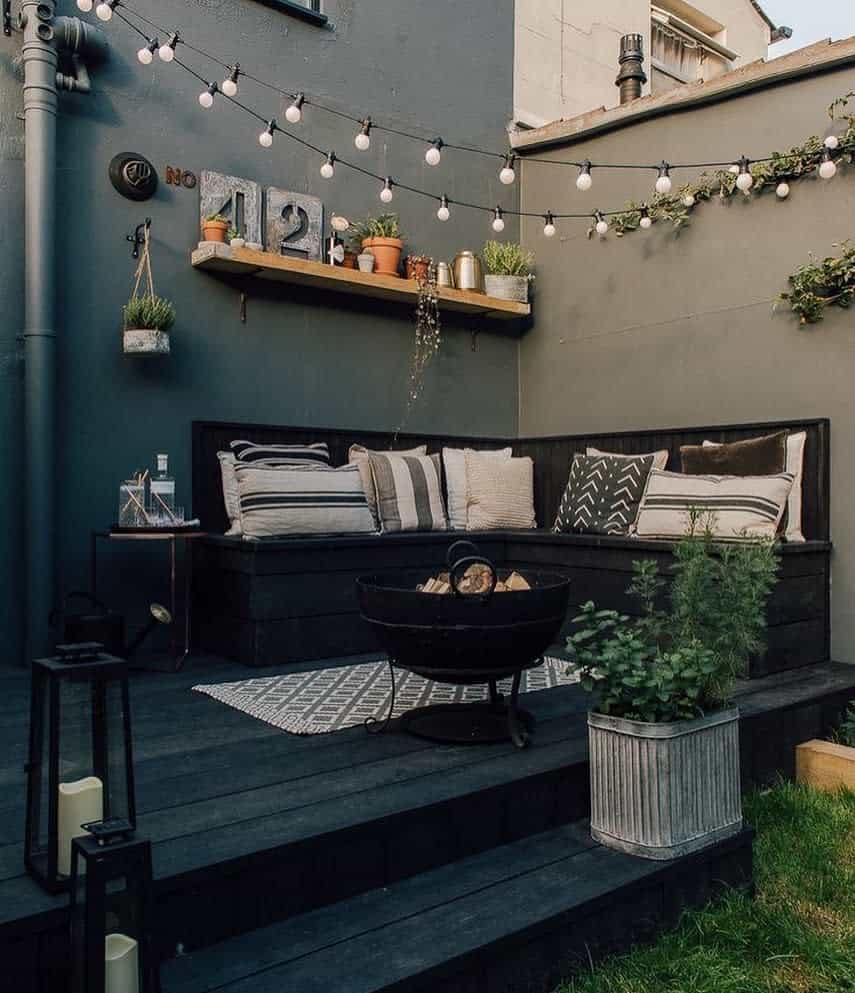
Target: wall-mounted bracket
(7, 17)
(138, 238)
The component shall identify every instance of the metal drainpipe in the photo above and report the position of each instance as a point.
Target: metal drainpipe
(43, 35)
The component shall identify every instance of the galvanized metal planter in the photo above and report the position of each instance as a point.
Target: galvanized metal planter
(507, 287)
(664, 790)
(145, 341)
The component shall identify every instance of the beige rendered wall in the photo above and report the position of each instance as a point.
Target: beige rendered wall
(566, 51)
(657, 330)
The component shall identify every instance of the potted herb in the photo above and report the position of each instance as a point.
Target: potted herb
(147, 320)
(507, 270)
(235, 239)
(829, 765)
(663, 732)
(382, 237)
(214, 228)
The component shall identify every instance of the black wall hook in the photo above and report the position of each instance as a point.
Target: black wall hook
(7, 17)
(138, 239)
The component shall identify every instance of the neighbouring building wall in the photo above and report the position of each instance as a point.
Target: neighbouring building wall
(659, 329)
(566, 53)
(299, 359)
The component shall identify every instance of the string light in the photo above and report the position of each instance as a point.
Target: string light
(827, 168)
(328, 168)
(104, 10)
(498, 220)
(663, 182)
(84, 5)
(206, 97)
(433, 154)
(443, 213)
(146, 53)
(602, 225)
(229, 85)
(548, 225)
(166, 52)
(782, 191)
(294, 114)
(265, 139)
(386, 193)
(744, 180)
(584, 180)
(506, 173)
(646, 220)
(832, 142)
(689, 200)
(363, 139)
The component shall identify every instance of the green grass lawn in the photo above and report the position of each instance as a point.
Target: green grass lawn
(796, 936)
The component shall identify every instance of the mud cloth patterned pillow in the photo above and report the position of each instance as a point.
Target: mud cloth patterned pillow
(603, 494)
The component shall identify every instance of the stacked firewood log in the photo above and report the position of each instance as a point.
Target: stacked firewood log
(476, 579)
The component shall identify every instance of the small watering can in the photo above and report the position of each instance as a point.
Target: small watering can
(97, 623)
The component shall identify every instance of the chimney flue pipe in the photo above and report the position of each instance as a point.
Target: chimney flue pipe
(631, 76)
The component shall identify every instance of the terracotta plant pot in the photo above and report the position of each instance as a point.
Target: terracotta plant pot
(349, 261)
(387, 254)
(214, 230)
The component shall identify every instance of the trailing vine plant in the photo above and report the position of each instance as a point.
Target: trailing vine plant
(783, 168)
(819, 284)
(428, 332)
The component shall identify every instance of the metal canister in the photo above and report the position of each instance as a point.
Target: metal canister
(443, 274)
(466, 272)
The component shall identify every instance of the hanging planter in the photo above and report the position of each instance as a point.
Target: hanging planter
(147, 317)
(508, 271)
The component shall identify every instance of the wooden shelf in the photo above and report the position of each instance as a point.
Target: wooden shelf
(214, 257)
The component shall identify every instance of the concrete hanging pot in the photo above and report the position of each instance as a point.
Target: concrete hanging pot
(507, 287)
(147, 317)
(145, 341)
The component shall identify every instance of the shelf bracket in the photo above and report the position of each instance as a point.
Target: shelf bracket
(475, 340)
(243, 298)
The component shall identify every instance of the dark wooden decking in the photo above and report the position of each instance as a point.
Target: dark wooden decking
(251, 825)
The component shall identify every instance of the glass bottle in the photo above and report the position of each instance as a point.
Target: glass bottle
(162, 492)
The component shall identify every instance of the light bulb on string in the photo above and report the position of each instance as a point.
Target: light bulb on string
(104, 10)
(265, 139)
(506, 173)
(663, 181)
(827, 168)
(782, 191)
(832, 142)
(434, 154)
(84, 5)
(206, 97)
(646, 220)
(386, 193)
(328, 168)
(294, 114)
(602, 225)
(744, 180)
(146, 54)
(498, 220)
(229, 85)
(363, 139)
(443, 213)
(548, 225)
(166, 52)
(688, 199)
(584, 180)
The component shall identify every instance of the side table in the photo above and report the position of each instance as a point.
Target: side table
(178, 652)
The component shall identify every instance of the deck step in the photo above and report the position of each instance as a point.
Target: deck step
(521, 916)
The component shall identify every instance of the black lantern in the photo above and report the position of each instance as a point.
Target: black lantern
(112, 905)
(79, 766)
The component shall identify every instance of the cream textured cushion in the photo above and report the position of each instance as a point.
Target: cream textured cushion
(501, 492)
(454, 460)
(660, 457)
(230, 492)
(360, 456)
(732, 506)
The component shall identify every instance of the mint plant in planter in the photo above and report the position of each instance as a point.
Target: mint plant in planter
(507, 270)
(663, 732)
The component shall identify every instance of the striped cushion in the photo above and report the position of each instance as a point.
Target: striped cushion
(736, 506)
(230, 492)
(360, 455)
(281, 455)
(409, 492)
(501, 492)
(304, 500)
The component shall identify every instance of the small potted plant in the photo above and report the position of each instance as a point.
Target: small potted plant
(214, 228)
(365, 261)
(235, 239)
(382, 237)
(507, 270)
(829, 765)
(663, 732)
(147, 320)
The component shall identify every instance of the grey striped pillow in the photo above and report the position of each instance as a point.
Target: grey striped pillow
(301, 501)
(317, 454)
(409, 492)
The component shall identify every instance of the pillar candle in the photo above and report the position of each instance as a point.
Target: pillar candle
(121, 964)
(79, 802)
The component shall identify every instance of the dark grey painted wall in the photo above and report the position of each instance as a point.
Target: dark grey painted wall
(442, 67)
(657, 330)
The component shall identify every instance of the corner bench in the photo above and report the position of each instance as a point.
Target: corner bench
(275, 601)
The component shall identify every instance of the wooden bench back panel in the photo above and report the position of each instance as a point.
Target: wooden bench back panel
(552, 457)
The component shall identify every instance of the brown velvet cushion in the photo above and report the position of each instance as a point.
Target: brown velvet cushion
(753, 457)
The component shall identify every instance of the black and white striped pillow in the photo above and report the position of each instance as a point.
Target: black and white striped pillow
(409, 492)
(281, 455)
(307, 500)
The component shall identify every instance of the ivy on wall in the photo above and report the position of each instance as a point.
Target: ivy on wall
(820, 284)
(782, 168)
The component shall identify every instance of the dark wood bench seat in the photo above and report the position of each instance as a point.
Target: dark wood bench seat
(278, 600)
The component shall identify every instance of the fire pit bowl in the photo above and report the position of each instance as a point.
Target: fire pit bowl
(465, 638)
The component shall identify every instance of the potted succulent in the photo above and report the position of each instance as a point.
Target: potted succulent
(214, 228)
(365, 261)
(507, 270)
(663, 733)
(382, 237)
(235, 239)
(829, 765)
(147, 320)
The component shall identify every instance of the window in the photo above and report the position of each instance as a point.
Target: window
(306, 10)
(683, 50)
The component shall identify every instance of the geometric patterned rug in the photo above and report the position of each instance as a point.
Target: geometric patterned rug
(326, 700)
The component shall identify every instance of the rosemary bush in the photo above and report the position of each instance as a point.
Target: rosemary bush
(505, 258)
(151, 312)
(680, 663)
(817, 285)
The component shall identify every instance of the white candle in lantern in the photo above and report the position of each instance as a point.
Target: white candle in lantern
(121, 964)
(79, 802)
